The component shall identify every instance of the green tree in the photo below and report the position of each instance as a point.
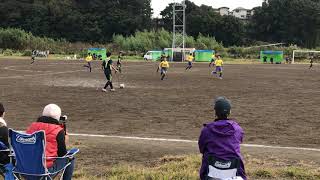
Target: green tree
(77, 20)
(290, 21)
(203, 19)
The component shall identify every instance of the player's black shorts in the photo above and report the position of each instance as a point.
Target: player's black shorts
(108, 75)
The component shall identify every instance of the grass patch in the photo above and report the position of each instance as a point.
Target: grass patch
(300, 173)
(187, 167)
(263, 173)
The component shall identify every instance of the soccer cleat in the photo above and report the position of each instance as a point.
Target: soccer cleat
(112, 90)
(104, 90)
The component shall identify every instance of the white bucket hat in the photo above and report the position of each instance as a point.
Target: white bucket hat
(53, 111)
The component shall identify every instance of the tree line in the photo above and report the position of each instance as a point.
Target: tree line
(77, 20)
(100, 21)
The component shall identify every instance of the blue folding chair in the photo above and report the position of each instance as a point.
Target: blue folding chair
(3, 148)
(29, 150)
(6, 169)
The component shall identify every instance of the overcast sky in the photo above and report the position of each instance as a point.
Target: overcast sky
(159, 5)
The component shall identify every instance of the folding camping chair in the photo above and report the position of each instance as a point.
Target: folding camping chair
(6, 169)
(223, 170)
(3, 148)
(29, 150)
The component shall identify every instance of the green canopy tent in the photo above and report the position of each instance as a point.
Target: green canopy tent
(265, 56)
(156, 55)
(98, 53)
(203, 55)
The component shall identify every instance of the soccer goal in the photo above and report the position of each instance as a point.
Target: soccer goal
(300, 54)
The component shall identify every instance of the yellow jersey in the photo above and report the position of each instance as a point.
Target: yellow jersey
(190, 58)
(219, 62)
(89, 58)
(164, 64)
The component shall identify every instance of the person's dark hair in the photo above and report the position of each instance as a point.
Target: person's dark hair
(2, 110)
(222, 107)
(108, 54)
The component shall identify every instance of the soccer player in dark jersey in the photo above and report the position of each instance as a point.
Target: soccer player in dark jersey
(119, 63)
(33, 56)
(107, 67)
(311, 62)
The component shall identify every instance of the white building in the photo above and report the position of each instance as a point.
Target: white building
(239, 12)
(223, 11)
(242, 13)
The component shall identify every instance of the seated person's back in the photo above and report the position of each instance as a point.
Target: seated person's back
(55, 139)
(221, 138)
(4, 156)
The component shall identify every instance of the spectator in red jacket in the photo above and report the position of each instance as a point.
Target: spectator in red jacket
(56, 136)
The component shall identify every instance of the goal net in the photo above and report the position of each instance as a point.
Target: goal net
(301, 56)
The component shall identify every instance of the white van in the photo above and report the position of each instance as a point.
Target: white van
(152, 55)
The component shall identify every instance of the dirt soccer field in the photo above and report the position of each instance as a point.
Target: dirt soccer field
(275, 104)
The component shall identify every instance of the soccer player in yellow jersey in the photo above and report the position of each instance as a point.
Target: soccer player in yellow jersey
(219, 67)
(163, 66)
(189, 59)
(88, 60)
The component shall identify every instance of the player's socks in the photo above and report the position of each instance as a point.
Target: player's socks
(107, 84)
(162, 77)
(111, 85)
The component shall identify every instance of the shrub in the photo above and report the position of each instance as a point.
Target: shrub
(8, 52)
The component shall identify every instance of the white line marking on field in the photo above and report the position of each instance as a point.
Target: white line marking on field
(43, 73)
(35, 75)
(189, 141)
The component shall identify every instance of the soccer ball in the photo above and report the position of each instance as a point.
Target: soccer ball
(121, 86)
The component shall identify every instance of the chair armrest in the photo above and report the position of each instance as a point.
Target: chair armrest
(72, 152)
(5, 150)
(3, 146)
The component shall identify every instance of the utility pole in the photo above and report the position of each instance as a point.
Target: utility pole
(179, 28)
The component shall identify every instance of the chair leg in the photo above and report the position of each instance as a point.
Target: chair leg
(16, 176)
(61, 178)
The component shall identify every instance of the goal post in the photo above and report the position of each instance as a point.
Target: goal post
(295, 52)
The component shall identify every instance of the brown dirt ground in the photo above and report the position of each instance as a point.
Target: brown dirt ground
(275, 104)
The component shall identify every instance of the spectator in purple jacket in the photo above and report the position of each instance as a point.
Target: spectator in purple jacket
(221, 138)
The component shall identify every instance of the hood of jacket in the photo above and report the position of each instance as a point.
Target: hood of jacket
(222, 127)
